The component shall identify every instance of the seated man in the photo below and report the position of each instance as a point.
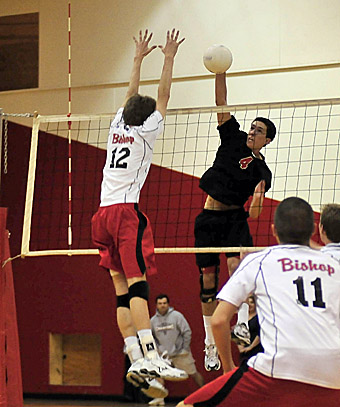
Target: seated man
(173, 337)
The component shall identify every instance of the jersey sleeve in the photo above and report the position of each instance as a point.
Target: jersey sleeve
(152, 127)
(230, 132)
(242, 283)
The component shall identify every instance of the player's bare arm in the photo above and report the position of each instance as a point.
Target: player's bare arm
(169, 51)
(220, 323)
(142, 50)
(221, 97)
(256, 205)
(245, 349)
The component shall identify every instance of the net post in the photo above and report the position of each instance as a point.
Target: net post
(30, 186)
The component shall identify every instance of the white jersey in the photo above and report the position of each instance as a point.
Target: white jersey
(297, 291)
(333, 249)
(128, 158)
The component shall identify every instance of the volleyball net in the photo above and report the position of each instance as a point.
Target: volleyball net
(68, 154)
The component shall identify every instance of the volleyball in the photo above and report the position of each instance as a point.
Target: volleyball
(217, 58)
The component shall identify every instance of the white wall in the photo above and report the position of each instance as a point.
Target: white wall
(262, 34)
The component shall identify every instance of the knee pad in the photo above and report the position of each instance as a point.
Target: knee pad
(140, 289)
(123, 301)
(209, 294)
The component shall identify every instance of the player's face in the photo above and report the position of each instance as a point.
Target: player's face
(251, 304)
(257, 136)
(162, 306)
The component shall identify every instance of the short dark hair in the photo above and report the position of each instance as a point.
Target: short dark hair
(271, 129)
(161, 296)
(330, 220)
(294, 221)
(137, 109)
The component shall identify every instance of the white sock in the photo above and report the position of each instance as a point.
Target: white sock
(209, 337)
(243, 313)
(148, 343)
(133, 349)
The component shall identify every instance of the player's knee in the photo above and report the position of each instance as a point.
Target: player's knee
(123, 301)
(209, 284)
(208, 295)
(139, 289)
(232, 263)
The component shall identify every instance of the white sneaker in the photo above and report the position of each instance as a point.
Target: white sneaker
(156, 367)
(240, 334)
(211, 360)
(150, 387)
(133, 371)
(157, 402)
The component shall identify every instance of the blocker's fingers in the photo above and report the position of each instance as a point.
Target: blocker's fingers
(150, 36)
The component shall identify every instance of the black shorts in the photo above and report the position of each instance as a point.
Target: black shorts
(221, 229)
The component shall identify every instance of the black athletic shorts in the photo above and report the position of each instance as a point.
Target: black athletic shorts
(221, 229)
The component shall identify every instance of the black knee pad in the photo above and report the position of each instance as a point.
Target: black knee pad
(209, 294)
(140, 289)
(123, 301)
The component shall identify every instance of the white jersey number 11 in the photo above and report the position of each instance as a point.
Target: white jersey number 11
(318, 302)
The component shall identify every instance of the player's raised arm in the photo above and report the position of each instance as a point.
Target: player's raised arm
(142, 50)
(169, 51)
(221, 97)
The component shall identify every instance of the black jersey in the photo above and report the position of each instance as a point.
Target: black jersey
(236, 171)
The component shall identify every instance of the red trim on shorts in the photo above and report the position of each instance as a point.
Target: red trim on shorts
(246, 386)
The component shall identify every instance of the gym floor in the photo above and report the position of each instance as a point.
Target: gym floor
(39, 402)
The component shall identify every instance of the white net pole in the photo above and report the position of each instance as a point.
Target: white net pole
(30, 187)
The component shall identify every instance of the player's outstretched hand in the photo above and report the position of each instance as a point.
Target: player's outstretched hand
(142, 44)
(172, 43)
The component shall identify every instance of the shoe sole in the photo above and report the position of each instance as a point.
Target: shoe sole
(210, 368)
(150, 391)
(154, 375)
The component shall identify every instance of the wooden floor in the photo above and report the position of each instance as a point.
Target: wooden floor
(30, 402)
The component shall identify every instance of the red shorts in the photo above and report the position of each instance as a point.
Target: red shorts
(247, 387)
(124, 237)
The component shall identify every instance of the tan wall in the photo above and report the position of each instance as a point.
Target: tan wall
(261, 34)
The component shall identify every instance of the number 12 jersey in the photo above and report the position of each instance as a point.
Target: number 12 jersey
(128, 158)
